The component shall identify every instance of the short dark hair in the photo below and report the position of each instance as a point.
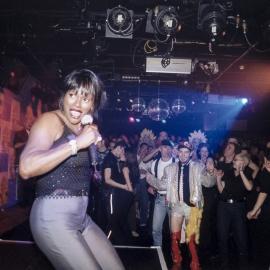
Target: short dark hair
(88, 81)
(237, 148)
(166, 143)
(142, 144)
(121, 144)
(267, 153)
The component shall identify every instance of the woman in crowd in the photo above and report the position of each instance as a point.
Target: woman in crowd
(208, 238)
(57, 154)
(233, 184)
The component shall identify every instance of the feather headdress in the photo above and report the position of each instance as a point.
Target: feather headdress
(197, 137)
(147, 136)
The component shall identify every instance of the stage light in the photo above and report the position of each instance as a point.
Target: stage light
(138, 120)
(211, 18)
(163, 20)
(119, 23)
(131, 119)
(244, 101)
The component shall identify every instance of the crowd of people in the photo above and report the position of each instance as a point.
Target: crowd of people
(187, 192)
(224, 190)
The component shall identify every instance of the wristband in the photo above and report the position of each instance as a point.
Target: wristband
(74, 148)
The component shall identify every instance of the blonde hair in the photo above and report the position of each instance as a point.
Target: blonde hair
(245, 157)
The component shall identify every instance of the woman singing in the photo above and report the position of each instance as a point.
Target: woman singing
(57, 154)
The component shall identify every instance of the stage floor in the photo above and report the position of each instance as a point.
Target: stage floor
(18, 252)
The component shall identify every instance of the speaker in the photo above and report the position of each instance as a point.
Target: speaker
(19, 255)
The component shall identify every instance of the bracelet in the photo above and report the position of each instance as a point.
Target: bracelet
(74, 148)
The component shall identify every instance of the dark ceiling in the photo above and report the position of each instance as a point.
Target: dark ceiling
(50, 38)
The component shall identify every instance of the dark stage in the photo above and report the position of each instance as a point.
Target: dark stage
(18, 252)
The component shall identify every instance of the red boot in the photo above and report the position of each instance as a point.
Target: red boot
(176, 254)
(195, 264)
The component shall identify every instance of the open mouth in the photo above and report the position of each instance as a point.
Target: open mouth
(75, 114)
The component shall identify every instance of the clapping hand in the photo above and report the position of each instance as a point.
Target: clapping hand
(210, 166)
(253, 214)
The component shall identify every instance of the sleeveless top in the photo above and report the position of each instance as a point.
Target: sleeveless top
(69, 178)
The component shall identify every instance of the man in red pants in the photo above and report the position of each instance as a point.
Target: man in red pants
(182, 182)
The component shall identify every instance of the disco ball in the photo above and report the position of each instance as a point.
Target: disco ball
(138, 105)
(158, 109)
(178, 106)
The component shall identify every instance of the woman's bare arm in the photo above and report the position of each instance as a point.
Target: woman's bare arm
(38, 156)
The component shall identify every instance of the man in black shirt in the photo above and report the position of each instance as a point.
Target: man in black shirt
(120, 194)
(233, 184)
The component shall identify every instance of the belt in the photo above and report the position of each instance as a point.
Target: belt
(233, 201)
(161, 195)
(63, 193)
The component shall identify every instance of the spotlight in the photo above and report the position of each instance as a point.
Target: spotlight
(211, 18)
(163, 20)
(131, 119)
(163, 121)
(119, 23)
(138, 120)
(244, 101)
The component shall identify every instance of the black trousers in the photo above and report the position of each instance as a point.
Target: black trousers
(262, 237)
(232, 216)
(208, 228)
(120, 203)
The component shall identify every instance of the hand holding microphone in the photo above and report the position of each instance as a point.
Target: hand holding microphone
(89, 137)
(87, 120)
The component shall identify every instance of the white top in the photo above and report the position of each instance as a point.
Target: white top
(160, 169)
(145, 166)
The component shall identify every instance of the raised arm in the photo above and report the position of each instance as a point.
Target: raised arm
(247, 182)
(159, 184)
(151, 155)
(220, 183)
(38, 156)
(208, 177)
(255, 169)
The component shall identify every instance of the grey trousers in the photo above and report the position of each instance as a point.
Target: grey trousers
(68, 236)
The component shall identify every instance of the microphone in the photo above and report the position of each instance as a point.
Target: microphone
(88, 120)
